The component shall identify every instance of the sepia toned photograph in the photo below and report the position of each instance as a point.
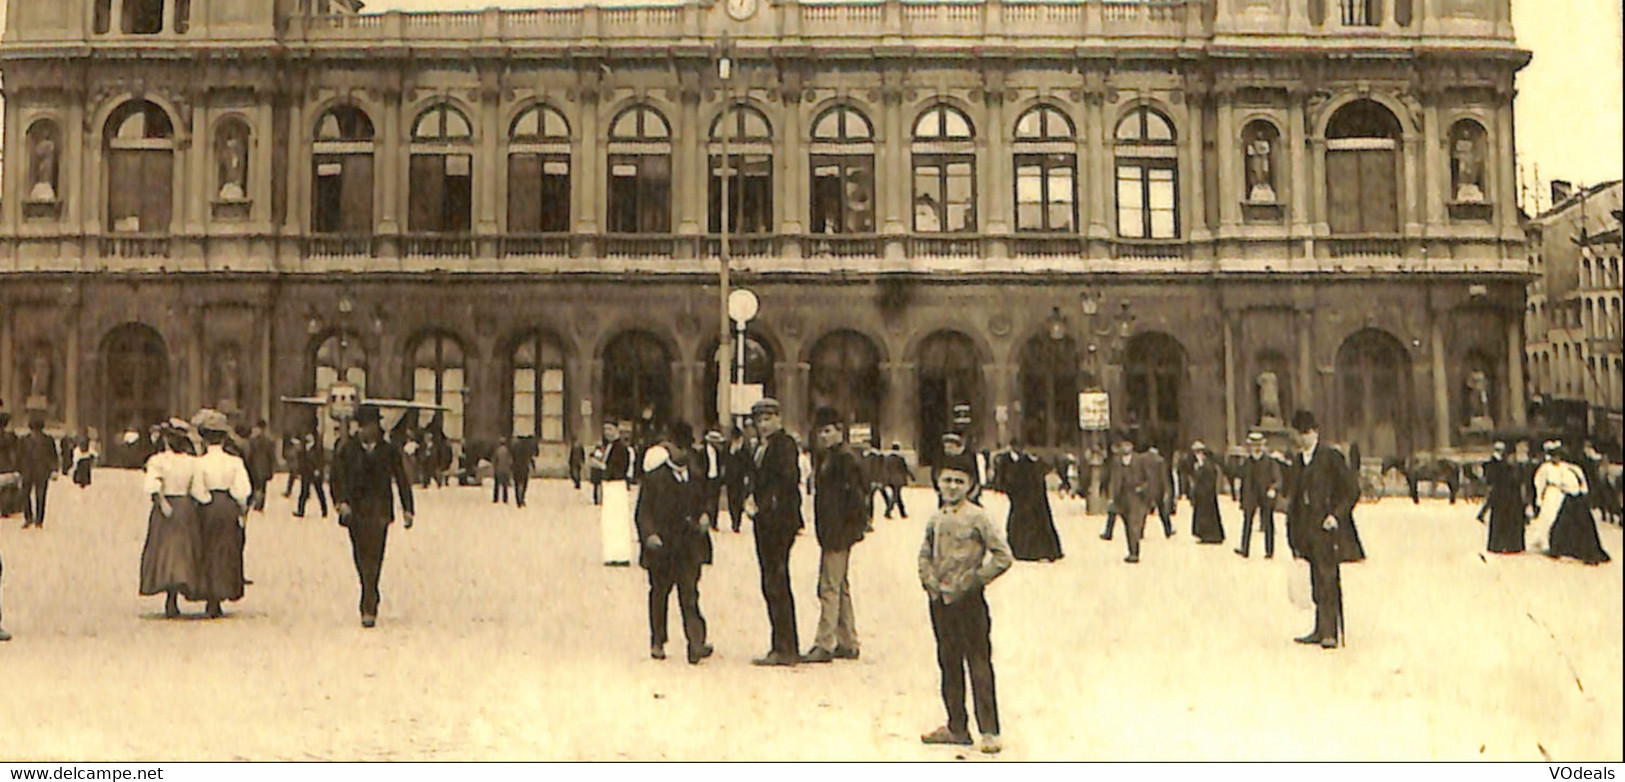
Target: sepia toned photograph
(1100, 381)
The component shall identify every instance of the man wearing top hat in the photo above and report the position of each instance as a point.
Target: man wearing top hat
(1319, 525)
(775, 488)
(363, 469)
(1260, 481)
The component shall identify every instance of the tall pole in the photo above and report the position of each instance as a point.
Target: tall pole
(725, 334)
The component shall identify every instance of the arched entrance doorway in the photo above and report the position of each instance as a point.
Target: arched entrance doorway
(637, 380)
(1049, 392)
(1153, 387)
(950, 375)
(135, 379)
(845, 375)
(759, 361)
(1373, 409)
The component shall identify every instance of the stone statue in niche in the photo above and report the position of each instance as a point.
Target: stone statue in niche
(1260, 187)
(233, 169)
(231, 384)
(1478, 401)
(1469, 160)
(43, 169)
(1269, 400)
(39, 382)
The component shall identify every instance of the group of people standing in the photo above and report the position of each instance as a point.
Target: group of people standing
(195, 530)
(1556, 497)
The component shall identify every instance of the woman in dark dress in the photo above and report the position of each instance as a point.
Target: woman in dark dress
(1030, 527)
(169, 559)
(1505, 503)
(225, 477)
(1204, 493)
(1573, 533)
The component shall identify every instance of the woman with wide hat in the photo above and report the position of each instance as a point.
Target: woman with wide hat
(169, 560)
(1204, 472)
(225, 478)
(1563, 496)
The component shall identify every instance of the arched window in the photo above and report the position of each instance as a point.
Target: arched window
(44, 162)
(1147, 176)
(441, 195)
(1260, 141)
(944, 154)
(1468, 152)
(539, 172)
(843, 172)
(845, 376)
(140, 168)
(342, 172)
(1046, 164)
(231, 145)
(1154, 383)
(749, 171)
(640, 172)
(338, 358)
(1373, 372)
(950, 376)
(538, 389)
(1362, 170)
(438, 378)
(759, 364)
(1049, 390)
(637, 379)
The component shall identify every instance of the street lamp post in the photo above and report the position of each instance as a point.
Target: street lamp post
(725, 336)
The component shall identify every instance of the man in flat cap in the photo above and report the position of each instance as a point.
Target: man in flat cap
(1260, 481)
(953, 447)
(363, 469)
(1319, 525)
(776, 497)
(841, 511)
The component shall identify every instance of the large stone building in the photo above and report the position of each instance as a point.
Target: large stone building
(1214, 210)
(1573, 318)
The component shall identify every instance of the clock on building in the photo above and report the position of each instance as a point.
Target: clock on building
(742, 9)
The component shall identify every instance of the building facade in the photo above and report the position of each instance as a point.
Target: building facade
(1573, 315)
(1216, 211)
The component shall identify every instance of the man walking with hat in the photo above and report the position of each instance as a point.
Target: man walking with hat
(1319, 525)
(712, 471)
(1131, 490)
(776, 497)
(363, 469)
(841, 511)
(1260, 480)
(37, 460)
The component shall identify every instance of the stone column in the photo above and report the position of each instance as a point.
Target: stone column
(260, 139)
(993, 156)
(1096, 158)
(693, 408)
(195, 162)
(899, 391)
(690, 168)
(70, 390)
(892, 164)
(267, 326)
(1441, 385)
(1231, 430)
(8, 358)
(1232, 177)
(792, 194)
(1437, 181)
(588, 169)
(1195, 212)
(299, 167)
(1413, 195)
(1297, 157)
(1514, 393)
(1506, 189)
(800, 394)
(996, 374)
(387, 162)
(487, 165)
(1306, 373)
(1317, 185)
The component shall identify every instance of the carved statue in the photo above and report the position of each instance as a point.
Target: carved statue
(231, 383)
(1269, 400)
(1478, 400)
(39, 379)
(43, 166)
(1260, 184)
(233, 169)
(1469, 171)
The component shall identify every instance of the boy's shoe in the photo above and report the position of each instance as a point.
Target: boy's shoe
(943, 735)
(657, 652)
(4, 636)
(991, 744)
(843, 653)
(818, 654)
(696, 655)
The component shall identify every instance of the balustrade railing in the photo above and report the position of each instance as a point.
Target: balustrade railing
(922, 246)
(1046, 245)
(437, 246)
(149, 246)
(339, 246)
(744, 245)
(536, 245)
(1366, 247)
(842, 246)
(1150, 250)
(639, 245)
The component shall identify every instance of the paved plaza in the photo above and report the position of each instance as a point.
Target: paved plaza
(501, 637)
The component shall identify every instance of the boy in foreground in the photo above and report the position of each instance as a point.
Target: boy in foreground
(962, 553)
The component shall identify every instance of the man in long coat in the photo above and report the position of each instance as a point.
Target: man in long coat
(1133, 485)
(776, 494)
(37, 462)
(363, 469)
(711, 470)
(896, 476)
(841, 511)
(1260, 483)
(312, 463)
(671, 524)
(261, 463)
(1320, 525)
(1164, 499)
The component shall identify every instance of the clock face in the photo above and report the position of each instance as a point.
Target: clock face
(742, 9)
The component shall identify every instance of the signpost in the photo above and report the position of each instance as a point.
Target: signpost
(1094, 411)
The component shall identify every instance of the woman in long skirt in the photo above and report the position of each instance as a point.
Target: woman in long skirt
(1561, 486)
(169, 560)
(615, 515)
(1204, 494)
(225, 477)
(85, 453)
(1030, 526)
(1505, 502)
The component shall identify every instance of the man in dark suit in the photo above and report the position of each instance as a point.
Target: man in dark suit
(37, 463)
(736, 469)
(671, 524)
(897, 476)
(1133, 485)
(11, 498)
(261, 463)
(524, 460)
(776, 502)
(1260, 482)
(312, 463)
(578, 457)
(1163, 499)
(841, 511)
(1319, 525)
(363, 469)
(711, 466)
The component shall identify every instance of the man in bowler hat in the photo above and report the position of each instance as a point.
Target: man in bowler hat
(1319, 525)
(776, 498)
(363, 469)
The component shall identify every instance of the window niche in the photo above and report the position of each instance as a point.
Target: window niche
(1260, 146)
(44, 162)
(1468, 147)
(231, 151)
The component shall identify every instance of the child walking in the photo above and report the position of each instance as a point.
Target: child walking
(961, 555)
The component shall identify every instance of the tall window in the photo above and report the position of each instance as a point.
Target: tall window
(1046, 172)
(1361, 13)
(538, 389)
(1362, 170)
(342, 177)
(140, 168)
(637, 378)
(845, 376)
(749, 171)
(944, 171)
(843, 173)
(142, 17)
(640, 172)
(1147, 176)
(437, 377)
(1049, 390)
(441, 198)
(539, 172)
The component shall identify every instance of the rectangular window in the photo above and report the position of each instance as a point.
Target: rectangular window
(1362, 194)
(750, 194)
(441, 194)
(640, 194)
(524, 402)
(538, 193)
(1147, 200)
(552, 405)
(1360, 13)
(1045, 188)
(138, 199)
(843, 194)
(944, 193)
(343, 194)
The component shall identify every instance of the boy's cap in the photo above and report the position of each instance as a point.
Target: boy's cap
(765, 405)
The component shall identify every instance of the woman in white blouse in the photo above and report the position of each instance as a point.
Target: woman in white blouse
(169, 560)
(1561, 492)
(224, 478)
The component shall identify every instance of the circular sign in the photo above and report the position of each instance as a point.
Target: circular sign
(742, 305)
